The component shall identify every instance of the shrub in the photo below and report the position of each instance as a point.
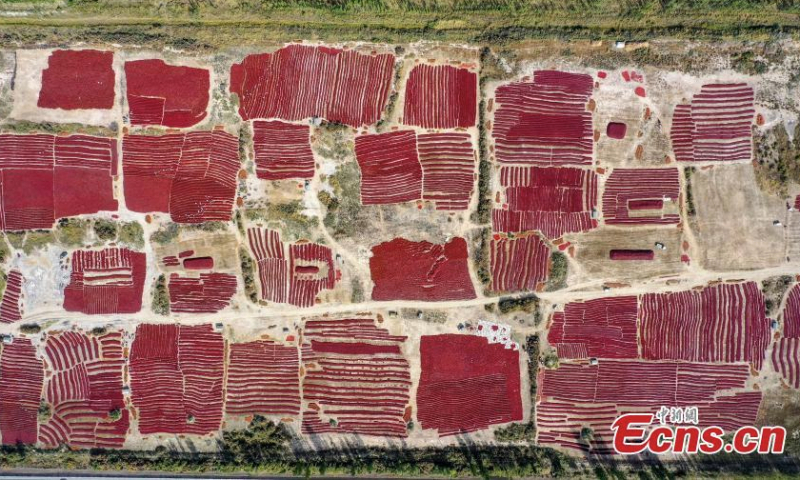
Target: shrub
(97, 331)
(248, 274)
(166, 234)
(161, 296)
(559, 267)
(105, 230)
(550, 360)
(131, 234)
(527, 304)
(30, 328)
(45, 412)
(71, 231)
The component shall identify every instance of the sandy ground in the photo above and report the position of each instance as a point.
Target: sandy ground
(731, 237)
(734, 227)
(593, 248)
(28, 82)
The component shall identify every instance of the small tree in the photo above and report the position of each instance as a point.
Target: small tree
(131, 234)
(161, 296)
(550, 360)
(248, 275)
(45, 411)
(30, 328)
(97, 331)
(587, 434)
(105, 229)
(165, 234)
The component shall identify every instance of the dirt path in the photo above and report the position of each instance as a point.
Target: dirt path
(582, 291)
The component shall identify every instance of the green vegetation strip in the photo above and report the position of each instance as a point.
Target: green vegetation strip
(161, 296)
(248, 274)
(201, 24)
(264, 448)
(525, 432)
